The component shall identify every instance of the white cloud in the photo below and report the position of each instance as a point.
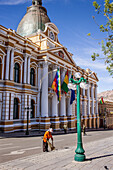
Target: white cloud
(83, 62)
(13, 2)
(107, 80)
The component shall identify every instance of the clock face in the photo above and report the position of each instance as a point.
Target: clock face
(51, 35)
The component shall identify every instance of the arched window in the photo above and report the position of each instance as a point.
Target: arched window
(32, 109)
(16, 73)
(0, 68)
(32, 77)
(16, 109)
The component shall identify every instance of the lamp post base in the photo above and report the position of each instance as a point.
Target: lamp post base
(79, 157)
(27, 132)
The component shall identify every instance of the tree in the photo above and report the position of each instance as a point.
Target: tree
(107, 43)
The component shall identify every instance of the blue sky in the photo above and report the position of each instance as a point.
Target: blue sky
(74, 20)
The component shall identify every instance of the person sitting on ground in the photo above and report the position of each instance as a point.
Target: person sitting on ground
(46, 138)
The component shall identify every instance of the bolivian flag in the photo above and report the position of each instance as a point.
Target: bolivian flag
(65, 83)
(102, 101)
(56, 85)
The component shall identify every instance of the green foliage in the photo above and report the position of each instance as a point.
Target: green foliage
(89, 34)
(107, 43)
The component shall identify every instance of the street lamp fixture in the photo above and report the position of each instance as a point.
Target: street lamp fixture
(80, 83)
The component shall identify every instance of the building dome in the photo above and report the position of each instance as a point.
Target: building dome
(34, 19)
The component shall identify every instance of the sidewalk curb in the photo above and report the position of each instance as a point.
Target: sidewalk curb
(37, 134)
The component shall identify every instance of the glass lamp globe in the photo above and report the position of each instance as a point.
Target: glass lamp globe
(70, 85)
(78, 75)
(74, 87)
(82, 85)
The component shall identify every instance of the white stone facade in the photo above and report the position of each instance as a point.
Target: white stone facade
(26, 74)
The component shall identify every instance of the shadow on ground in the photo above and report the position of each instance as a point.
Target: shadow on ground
(90, 159)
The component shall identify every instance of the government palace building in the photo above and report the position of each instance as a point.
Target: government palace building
(29, 59)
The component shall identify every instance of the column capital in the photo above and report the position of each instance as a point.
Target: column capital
(54, 66)
(64, 69)
(12, 49)
(25, 55)
(45, 63)
(8, 48)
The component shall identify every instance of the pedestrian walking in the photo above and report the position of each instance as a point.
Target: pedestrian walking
(46, 138)
(65, 128)
(84, 130)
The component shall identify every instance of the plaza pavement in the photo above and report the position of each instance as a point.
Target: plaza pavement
(99, 156)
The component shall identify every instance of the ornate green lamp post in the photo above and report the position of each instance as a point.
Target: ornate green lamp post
(81, 82)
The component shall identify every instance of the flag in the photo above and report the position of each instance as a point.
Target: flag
(101, 101)
(72, 94)
(56, 85)
(65, 83)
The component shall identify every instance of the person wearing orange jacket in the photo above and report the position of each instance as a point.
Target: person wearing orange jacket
(46, 138)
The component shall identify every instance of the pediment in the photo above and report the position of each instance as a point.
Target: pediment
(52, 27)
(92, 74)
(63, 54)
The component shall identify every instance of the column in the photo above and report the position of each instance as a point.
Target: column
(92, 96)
(7, 64)
(44, 96)
(6, 106)
(96, 110)
(21, 72)
(0, 110)
(54, 106)
(3, 108)
(39, 94)
(83, 94)
(25, 68)
(28, 75)
(84, 103)
(69, 108)
(63, 105)
(54, 98)
(0, 106)
(36, 83)
(3, 67)
(11, 106)
(29, 105)
(12, 64)
(88, 96)
(96, 99)
(63, 101)
(23, 107)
